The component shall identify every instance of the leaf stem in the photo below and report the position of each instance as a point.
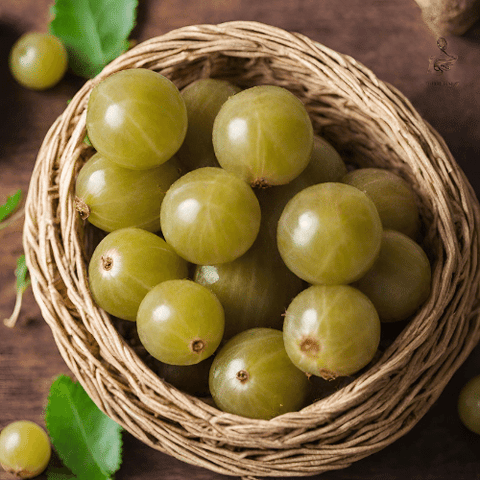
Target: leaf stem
(12, 320)
(23, 281)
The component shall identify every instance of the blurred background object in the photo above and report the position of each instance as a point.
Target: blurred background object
(454, 17)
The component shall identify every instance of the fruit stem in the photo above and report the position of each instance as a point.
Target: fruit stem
(197, 345)
(260, 183)
(242, 376)
(82, 208)
(107, 263)
(309, 346)
(328, 374)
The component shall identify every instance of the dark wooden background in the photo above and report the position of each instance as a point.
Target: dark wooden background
(390, 38)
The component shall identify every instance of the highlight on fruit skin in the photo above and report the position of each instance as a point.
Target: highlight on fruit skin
(329, 233)
(203, 98)
(126, 264)
(111, 197)
(399, 281)
(324, 227)
(210, 216)
(255, 289)
(325, 165)
(252, 376)
(38, 60)
(25, 449)
(136, 118)
(263, 135)
(180, 322)
(331, 330)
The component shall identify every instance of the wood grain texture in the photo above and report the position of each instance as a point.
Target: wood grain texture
(389, 37)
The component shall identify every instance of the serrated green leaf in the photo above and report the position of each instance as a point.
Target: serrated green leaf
(94, 31)
(10, 205)
(87, 441)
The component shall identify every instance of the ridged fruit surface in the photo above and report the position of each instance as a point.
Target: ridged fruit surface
(392, 195)
(331, 330)
(203, 99)
(255, 289)
(399, 281)
(180, 322)
(126, 264)
(326, 165)
(137, 118)
(110, 196)
(329, 233)
(263, 135)
(252, 376)
(210, 216)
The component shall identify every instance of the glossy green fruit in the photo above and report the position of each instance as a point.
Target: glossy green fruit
(391, 194)
(263, 135)
(252, 376)
(399, 281)
(203, 99)
(255, 289)
(468, 404)
(136, 118)
(180, 322)
(331, 330)
(111, 197)
(325, 165)
(38, 60)
(210, 216)
(24, 449)
(329, 233)
(126, 264)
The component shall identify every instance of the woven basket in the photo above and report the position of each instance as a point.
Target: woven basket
(371, 124)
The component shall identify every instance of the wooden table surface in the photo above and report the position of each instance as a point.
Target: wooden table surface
(390, 38)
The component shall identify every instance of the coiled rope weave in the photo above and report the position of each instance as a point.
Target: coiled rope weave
(371, 124)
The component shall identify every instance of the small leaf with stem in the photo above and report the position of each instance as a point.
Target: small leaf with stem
(23, 281)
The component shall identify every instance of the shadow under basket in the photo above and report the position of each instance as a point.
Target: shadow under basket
(371, 124)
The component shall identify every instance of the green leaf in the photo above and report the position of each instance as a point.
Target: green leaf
(87, 441)
(10, 205)
(94, 31)
(21, 272)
